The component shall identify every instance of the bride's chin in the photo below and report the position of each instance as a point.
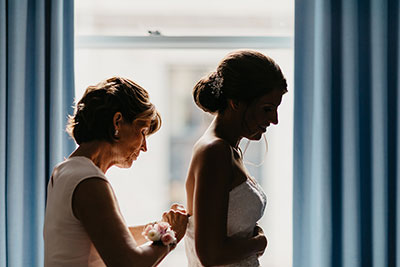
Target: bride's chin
(255, 137)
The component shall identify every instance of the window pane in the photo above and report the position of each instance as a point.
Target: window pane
(157, 178)
(185, 18)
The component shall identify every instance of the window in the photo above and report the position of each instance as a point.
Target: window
(166, 46)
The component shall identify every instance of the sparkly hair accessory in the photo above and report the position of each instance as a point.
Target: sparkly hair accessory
(216, 86)
(80, 106)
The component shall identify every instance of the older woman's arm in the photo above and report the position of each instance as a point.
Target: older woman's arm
(136, 232)
(95, 206)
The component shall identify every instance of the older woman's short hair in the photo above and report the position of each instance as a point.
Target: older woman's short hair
(93, 116)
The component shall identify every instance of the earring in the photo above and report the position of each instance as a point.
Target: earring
(116, 133)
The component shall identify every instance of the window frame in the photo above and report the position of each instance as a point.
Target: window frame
(184, 42)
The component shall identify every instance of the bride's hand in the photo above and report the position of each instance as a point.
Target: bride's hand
(177, 217)
(259, 234)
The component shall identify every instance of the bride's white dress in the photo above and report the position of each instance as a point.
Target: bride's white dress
(247, 202)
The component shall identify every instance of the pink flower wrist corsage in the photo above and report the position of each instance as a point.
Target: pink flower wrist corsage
(160, 233)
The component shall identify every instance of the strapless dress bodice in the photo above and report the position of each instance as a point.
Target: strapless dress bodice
(247, 203)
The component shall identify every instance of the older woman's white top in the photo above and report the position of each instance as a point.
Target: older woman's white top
(246, 206)
(66, 242)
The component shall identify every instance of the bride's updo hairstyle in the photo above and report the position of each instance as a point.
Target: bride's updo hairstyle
(93, 116)
(242, 75)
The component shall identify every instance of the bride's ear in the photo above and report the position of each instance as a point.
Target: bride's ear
(234, 104)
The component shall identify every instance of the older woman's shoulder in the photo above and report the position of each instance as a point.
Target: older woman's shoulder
(78, 167)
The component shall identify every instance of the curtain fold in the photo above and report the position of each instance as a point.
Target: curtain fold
(346, 133)
(37, 88)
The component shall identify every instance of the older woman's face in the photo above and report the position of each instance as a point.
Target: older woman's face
(132, 141)
(260, 114)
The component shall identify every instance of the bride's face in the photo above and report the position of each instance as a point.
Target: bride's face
(260, 114)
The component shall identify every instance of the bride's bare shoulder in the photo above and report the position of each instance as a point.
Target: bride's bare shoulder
(211, 148)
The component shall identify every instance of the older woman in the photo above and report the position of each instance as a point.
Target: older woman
(83, 224)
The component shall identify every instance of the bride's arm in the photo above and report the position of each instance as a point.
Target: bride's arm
(213, 174)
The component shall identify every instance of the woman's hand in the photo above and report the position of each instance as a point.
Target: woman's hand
(258, 233)
(177, 217)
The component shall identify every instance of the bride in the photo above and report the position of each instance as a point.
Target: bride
(224, 201)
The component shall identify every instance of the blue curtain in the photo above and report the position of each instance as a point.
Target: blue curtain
(36, 91)
(346, 146)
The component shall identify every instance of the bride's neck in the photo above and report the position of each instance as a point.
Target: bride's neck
(227, 129)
